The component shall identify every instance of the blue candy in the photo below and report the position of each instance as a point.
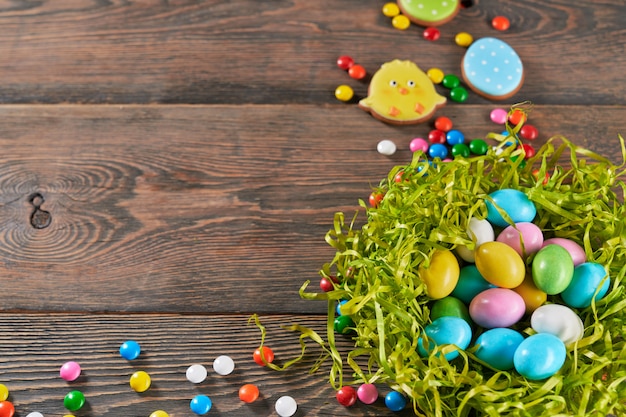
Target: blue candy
(130, 350)
(201, 404)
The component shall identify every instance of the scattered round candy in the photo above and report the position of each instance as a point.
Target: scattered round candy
(514, 203)
(454, 137)
(470, 284)
(367, 393)
(357, 72)
(497, 307)
(463, 39)
(529, 132)
(539, 356)
(266, 353)
(346, 396)
(345, 62)
(418, 144)
(140, 381)
(460, 149)
(157, 413)
(437, 136)
(200, 404)
(517, 116)
(196, 373)
(431, 34)
(6, 409)
(443, 123)
(74, 400)
(498, 116)
(286, 406)
(446, 331)
(529, 151)
(524, 237)
(451, 81)
(386, 147)
(558, 320)
(500, 264)
(224, 365)
(391, 9)
(326, 284)
(436, 75)
(552, 269)
(588, 279)
(248, 393)
(34, 414)
(130, 350)
(375, 198)
(400, 22)
(497, 347)
(4, 392)
(343, 324)
(500, 23)
(459, 94)
(438, 150)
(344, 93)
(163, 415)
(342, 302)
(70, 371)
(395, 401)
(478, 147)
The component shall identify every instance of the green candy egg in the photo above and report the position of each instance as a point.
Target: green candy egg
(552, 269)
(450, 307)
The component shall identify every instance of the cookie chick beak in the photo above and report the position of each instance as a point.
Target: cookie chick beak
(403, 91)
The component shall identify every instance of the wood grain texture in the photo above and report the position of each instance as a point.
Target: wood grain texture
(33, 348)
(201, 209)
(248, 51)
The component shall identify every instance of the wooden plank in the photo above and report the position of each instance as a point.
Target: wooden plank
(202, 208)
(33, 348)
(217, 52)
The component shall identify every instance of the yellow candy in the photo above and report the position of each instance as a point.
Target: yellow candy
(435, 75)
(442, 274)
(4, 392)
(69, 415)
(533, 296)
(463, 39)
(140, 381)
(159, 413)
(400, 22)
(391, 9)
(499, 264)
(344, 93)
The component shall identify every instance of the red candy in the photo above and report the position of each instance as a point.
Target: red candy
(346, 396)
(517, 117)
(357, 72)
(267, 353)
(326, 284)
(345, 62)
(375, 199)
(443, 123)
(528, 150)
(431, 34)
(500, 23)
(7, 409)
(529, 132)
(437, 136)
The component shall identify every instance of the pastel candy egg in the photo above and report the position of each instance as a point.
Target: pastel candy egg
(441, 275)
(470, 284)
(450, 307)
(552, 269)
(588, 278)
(558, 320)
(575, 250)
(497, 347)
(500, 265)
(533, 296)
(514, 203)
(446, 331)
(479, 231)
(526, 238)
(539, 356)
(497, 307)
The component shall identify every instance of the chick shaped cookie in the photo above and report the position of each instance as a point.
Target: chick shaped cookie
(401, 93)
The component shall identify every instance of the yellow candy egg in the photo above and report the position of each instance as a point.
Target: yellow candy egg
(401, 22)
(500, 264)
(391, 9)
(442, 274)
(435, 75)
(533, 296)
(344, 93)
(463, 39)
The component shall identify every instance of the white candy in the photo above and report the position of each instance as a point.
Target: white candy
(223, 365)
(286, 406)
(196, 373)
(386, 147)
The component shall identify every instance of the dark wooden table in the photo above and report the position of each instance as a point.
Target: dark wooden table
(191, 155)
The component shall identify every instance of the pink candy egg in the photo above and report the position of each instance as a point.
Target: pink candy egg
(575, 250)
(528, 233)
(70, 371)
(497, 307)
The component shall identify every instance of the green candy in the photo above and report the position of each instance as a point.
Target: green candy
(478, 147)
(461, 149)
(552, 269)
(343, 324)
(74, 400)
(459, 94)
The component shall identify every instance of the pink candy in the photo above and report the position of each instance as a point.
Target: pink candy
(498, 116)
(418, 144)
(70, 371)
(367, 393)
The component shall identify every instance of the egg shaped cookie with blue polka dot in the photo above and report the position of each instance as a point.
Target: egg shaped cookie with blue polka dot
(492, 69)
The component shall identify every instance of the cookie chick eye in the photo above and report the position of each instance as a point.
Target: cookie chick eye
(393, 83)
(411, 83)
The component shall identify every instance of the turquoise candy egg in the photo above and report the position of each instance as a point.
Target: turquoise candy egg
(514, 203)
(497, 347)
(470, 284)
(539, 356)
(552, 269)
(587, 279)
(446, 331)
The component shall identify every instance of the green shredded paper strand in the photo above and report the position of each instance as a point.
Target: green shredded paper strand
(377, 268)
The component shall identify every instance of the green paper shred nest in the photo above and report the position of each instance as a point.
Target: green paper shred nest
(376, 265)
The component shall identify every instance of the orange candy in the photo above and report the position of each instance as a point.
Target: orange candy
(500, 23)
(248, 393)
(268, 354)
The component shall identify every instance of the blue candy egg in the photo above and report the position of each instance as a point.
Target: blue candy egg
(514, 203)
(539, 356)
(446, 331)
(497, 347)
(587, 279)
(395, 401)
(470, 284)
